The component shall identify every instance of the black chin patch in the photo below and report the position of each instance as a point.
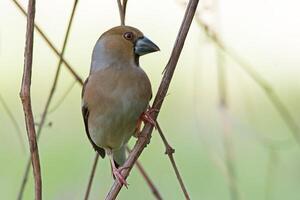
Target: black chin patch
(137, 59)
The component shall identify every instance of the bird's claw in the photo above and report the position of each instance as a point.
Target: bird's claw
(146, 116)
(120, 177)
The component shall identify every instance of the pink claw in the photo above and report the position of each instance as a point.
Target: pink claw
(119, 176)
(146, 116)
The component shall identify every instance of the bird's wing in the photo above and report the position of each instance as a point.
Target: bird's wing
(85, 115)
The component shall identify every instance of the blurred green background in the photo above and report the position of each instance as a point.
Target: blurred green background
(265, 155)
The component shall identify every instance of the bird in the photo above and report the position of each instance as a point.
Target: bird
(116, 94)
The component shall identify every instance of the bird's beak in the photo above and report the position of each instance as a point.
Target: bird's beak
(144, 46)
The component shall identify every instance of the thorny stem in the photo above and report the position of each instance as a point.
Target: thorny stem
(162, 91)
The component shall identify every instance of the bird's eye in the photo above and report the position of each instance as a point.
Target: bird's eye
(128, 35)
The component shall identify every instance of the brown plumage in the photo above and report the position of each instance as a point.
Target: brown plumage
(117, 92)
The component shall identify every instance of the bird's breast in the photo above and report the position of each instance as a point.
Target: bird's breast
(116, 98)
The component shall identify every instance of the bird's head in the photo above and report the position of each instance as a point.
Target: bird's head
(121, 44)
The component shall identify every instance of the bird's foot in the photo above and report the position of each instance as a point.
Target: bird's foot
(145, 117)
(119, 176)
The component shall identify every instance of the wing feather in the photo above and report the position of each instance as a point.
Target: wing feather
(85, 115)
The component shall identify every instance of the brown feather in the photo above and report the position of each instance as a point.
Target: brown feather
(107, 86)
(85, 115)
(117, 92)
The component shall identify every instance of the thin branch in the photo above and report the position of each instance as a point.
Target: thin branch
(50, 44)
(50, 97)
(162, 91)
(261, 82)
(14, 122)
(170, 151)
(146, 177)
(122, 10)
(26, 100)
(89, 186)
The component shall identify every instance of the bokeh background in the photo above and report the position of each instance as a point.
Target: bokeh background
(263, 152)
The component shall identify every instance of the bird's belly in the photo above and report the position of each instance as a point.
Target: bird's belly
(113, 128)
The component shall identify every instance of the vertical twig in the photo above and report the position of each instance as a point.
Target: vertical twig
(170, 151)
(162, 91)
(146, 177)
(26, 100)
(122, 11)
(49, 99)
(89, 186)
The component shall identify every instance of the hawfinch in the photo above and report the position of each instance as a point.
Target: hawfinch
(116, 95)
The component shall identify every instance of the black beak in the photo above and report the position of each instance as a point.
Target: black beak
(144, 46)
